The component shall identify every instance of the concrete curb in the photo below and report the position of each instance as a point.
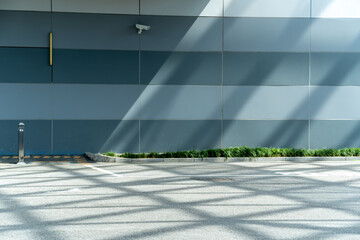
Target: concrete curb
(97, 157)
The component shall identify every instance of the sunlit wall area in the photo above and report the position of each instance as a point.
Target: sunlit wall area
(335, 62)
(266, 73)
(208, 74)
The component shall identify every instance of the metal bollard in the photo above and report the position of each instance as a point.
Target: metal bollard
(21, 142)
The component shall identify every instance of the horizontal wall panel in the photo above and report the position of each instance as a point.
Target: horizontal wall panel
(266, 8)
(182, 33)
(335, 69)
(335, 9)
(277, 103)
(77, 137)
(95, 6)
(26, 5)
(25, 29)
(335, 134)
(181, 102)
(96, 66)
(176, 68)
(162, 136)
(335, 35)
(25, 101)
(182, 8)
(74, 101)
(283, 134)
(267, 34)
(266, 68)
(25, 65)
(95, 31)
(335, 102)
(37, 138)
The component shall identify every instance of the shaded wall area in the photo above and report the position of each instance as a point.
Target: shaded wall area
(208, 74)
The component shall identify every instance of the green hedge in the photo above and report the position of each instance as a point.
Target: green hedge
(246, 152)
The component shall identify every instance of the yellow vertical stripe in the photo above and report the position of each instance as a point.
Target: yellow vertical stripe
(51, 50)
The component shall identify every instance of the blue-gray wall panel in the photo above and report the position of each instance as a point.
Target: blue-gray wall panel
(266, 68)
(95, 31)
(96, 6)
(288, 134)
(181, 68)
(181, 103)
(25, 65)
(335, 69)
(96, 66)
(37, 137)
(335, 134)
(266, 8)
(267, 34)
(25, 29)
(182, 33)
(262, 103)
(26, 5)
(95, 101)
(182, 8)
(95, 136)
(335, 35)
(26, 101)
(179, 135)
(335, 102)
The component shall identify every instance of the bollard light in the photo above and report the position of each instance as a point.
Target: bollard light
(21, 142)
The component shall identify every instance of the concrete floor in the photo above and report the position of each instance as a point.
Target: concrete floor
(81, 200)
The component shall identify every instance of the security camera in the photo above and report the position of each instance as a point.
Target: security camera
(141, 27)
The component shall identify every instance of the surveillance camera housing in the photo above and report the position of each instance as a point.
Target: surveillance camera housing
(141, 27)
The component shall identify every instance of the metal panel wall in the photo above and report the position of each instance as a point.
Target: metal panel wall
(210, 8)
(95, 6)
(208, 74)
(26, 5)
(335, 9)
(266, 8)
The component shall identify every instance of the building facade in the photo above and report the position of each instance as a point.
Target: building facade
(208, 74)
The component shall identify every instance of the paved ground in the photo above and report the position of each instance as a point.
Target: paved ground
(80, 200)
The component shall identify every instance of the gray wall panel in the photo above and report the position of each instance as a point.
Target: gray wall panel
(335, 134)
(25, 29)
(335, 35)
(335, 102)
(335, 9)
(179, 135)
(37, 138)
(278, 103)
(96, 66)
(95, 31)
(267, 34)
(266, 8)
(289, 134)
(182, 33)
(25, 65)
(74, 101)
(95, 136)
(96, 6)
(181, 68)
(182, 8)
(181, 102)
(266, 68)
(26, 5)
(25, 101)
(335, 69)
